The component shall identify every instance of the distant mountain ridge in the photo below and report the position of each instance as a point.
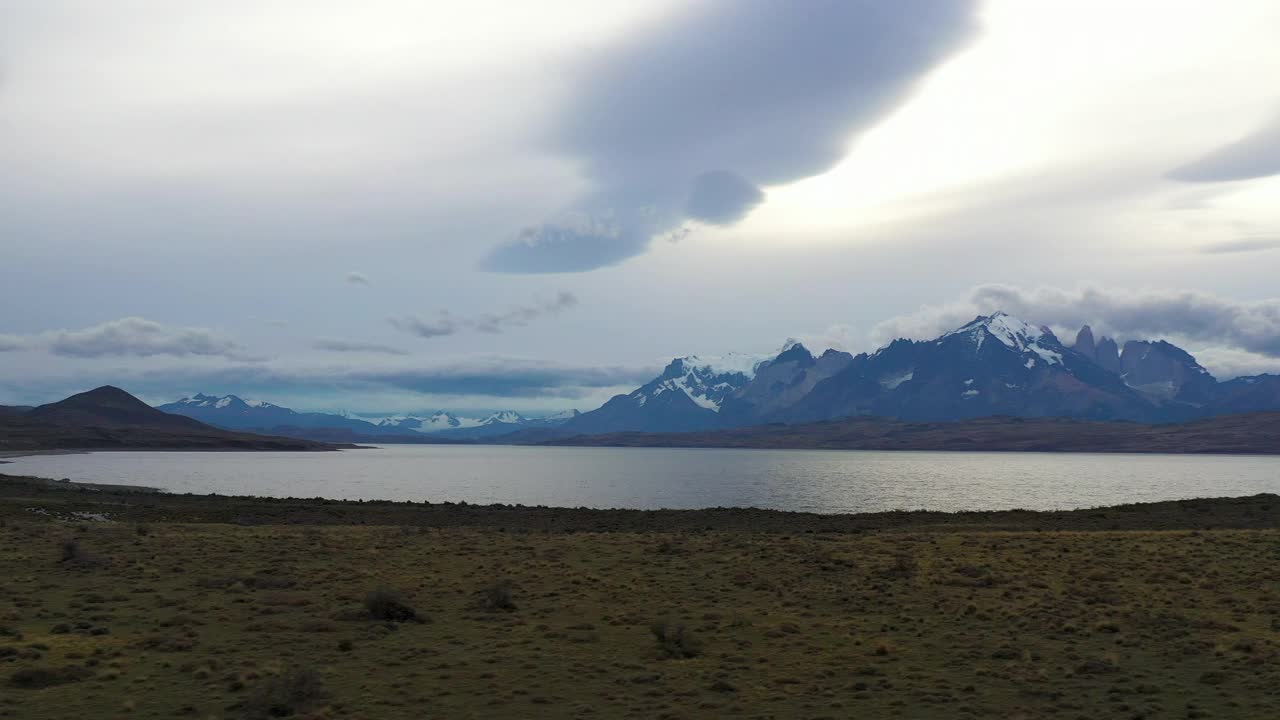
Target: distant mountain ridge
(233, 412)
(110, 418)
(994, 365)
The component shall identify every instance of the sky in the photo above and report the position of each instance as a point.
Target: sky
(398, 206)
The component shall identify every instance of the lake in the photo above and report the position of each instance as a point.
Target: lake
(825, 481)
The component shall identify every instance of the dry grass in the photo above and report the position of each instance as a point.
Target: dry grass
(229, 621)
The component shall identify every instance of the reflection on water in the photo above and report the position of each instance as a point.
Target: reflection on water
(825, 481)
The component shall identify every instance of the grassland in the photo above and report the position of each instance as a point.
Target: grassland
(120, 604)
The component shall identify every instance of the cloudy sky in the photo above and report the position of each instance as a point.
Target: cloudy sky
(392, 205)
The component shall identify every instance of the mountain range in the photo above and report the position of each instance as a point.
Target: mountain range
(110, 418)
(234, 413)
(994, 365)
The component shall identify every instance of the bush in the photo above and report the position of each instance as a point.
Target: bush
(904, 567)
(674, 641)
(295, 691)
(498, 596)
(385, 604)
(48, 677)
(71, 551)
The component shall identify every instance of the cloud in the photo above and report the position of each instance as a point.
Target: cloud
(689, 119)
(448, 324)
(12, 343)
(345, 346)
(504, 377)
(356, 278)
(523, 315)
(1253, 327)
(1226, 363)
(836, 337)
(1253, 156)
(139, 337)
(721, 198)
(480, 376)
(440, 327)
(1242, 245)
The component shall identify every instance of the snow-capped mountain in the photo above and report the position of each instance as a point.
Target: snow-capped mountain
(232, 402)
(687, 396)
(705, 381)
(234, 413)
(994, 365)
(448, 425)
(436, 422)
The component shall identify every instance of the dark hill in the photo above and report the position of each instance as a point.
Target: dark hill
(109, 406)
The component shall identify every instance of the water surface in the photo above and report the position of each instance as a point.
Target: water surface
(827, 481)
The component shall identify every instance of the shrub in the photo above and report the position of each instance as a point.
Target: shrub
(385, 604)
(71, 551)
(674, 641)
(498, 596)
(48, 677)
(904, 567)
(295, 691)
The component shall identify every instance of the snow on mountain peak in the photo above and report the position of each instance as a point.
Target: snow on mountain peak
(727, 364)
(509, 417)
(704, 379)
(1018, 335)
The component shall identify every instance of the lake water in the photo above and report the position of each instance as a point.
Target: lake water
(826, 481)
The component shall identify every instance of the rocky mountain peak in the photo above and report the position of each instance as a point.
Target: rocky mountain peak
(1085, 344)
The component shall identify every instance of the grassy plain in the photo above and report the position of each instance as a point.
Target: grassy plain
(116, 604)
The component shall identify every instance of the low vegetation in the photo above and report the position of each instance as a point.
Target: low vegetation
(979, 617)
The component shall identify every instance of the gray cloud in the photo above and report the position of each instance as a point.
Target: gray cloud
(1242, 245)
(1253, 156)
(1253, 327)
(356, 278)
(499, 377)
(346, 346)
(525, 314)
(721, 198)
(440, 327)
(689, 118)
(485, 376)
(448, 324)
(139, 337)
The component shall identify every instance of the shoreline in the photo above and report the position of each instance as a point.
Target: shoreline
(140, 503)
